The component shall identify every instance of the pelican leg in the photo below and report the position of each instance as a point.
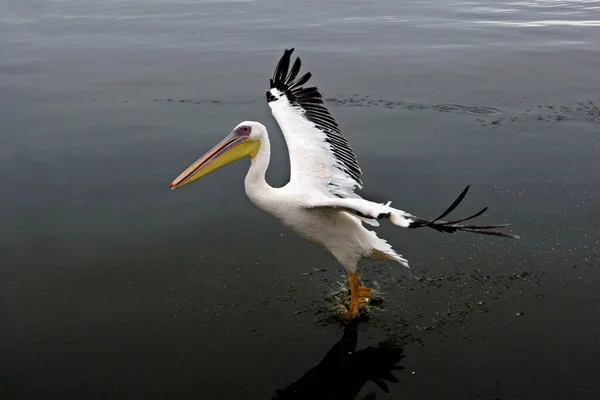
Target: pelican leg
(354, 294)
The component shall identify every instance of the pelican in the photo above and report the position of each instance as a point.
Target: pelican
(319, 202)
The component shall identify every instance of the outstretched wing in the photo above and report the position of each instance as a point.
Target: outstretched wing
(370, 212)
(319, 154)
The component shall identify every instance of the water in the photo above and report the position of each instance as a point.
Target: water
(115, 287)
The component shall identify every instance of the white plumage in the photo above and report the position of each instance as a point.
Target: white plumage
(319, 202)
(311, 159)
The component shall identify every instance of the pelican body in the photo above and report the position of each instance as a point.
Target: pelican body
(319, 202)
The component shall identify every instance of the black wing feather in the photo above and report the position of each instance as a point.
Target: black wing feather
(454, 226)
(310, 100)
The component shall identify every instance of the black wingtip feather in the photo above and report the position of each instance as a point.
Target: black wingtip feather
(453, 226)
(477, 214)
(295, 69)
(455, 204)
(305, 78)
(310, 100)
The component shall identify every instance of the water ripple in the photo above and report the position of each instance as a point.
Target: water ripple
(542, 13)
(543, 23)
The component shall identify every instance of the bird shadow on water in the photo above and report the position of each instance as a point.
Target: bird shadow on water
(343, 371)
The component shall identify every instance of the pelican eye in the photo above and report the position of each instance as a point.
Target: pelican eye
(244, 130)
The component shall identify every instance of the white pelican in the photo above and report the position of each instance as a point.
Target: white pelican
(319, 202)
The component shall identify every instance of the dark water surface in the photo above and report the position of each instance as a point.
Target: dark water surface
(114, 287)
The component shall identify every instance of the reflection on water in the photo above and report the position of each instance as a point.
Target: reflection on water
(541, 13)
(343, 371)
(220, 25)
(540, 23)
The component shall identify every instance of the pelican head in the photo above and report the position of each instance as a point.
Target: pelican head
(244, 140)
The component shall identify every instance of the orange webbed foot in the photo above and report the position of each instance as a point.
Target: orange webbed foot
(364, 291)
